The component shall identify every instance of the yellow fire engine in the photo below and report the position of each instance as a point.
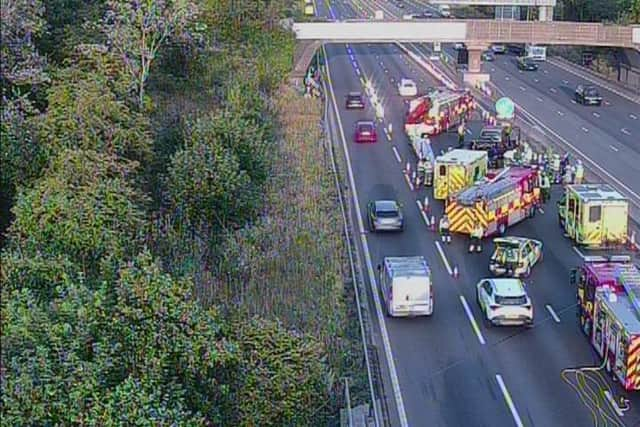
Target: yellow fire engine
(594, 215)
(457, 170)
(507, 199)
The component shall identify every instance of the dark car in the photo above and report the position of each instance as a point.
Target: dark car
(365, 131)
(587, 95)
(354, 101)
(385, 215)
(527, 64)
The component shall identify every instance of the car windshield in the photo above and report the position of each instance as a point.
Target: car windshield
(387, 214)
(511, 300)
(506, 253)
(365, 127)
(354, 97)
(408, 84)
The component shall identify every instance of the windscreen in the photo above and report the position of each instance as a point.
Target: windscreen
(365, 128)
(518, 300)
(506, 253)
(387, 214)
(591, 92)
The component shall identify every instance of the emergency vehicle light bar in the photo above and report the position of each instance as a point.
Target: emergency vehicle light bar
(610, 258)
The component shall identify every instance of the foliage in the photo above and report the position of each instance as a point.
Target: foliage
(284, 379)
(139, 349)
(205, 179)
(85, 209)
(600, 10)
(22, 21)
(138, 29)
(85, 113)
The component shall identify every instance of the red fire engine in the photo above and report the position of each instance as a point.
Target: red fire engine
(609, 311)
(505, 200)
(437, 111)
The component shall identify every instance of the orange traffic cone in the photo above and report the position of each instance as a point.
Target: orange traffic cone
(433, 223)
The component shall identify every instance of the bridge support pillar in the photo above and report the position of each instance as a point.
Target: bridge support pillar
(545, 13)
(474, 75)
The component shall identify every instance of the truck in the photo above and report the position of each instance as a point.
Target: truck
(608, 290)
(422, 148)
(437, 111)
(456, 170)
(594, 216)
(406, 286)
(536, 53)
(508, 198)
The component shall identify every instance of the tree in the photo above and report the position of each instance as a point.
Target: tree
(137, 29)
(85, 209)
(21, 65)
(205, 180)
(86, 113)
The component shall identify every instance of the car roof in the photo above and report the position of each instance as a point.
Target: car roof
(508, 287)
(386, 205)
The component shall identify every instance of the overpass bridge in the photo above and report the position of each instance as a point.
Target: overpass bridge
(477, 34)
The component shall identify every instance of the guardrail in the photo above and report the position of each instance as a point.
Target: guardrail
(371, 366)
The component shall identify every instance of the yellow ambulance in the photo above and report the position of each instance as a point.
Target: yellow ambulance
(594, 215)
(457, 170)
(308, 8)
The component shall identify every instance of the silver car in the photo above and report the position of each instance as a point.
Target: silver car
(385, 215)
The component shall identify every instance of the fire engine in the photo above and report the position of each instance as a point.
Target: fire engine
(609, 311)
(505, 200)
(436, 112)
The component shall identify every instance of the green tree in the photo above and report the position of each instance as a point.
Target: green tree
(85, 209)
(86, 113)
(205, 180)
(284, 378)
(137, 29)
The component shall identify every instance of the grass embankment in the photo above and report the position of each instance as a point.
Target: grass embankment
(291, 264)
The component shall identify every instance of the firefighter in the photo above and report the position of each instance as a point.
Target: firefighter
(422, 170)
(555, 167)
(461, 131)
(475, 238)
(443, 227)
(579, 172)
(545, 187)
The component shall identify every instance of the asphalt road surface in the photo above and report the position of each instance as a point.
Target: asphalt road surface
(449, 374)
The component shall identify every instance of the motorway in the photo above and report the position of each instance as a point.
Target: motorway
(451, 369)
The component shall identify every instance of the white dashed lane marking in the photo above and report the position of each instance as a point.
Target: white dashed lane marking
(560, 113)
(553, 313)
(614, 148)
(596, 115)
(585, 129)
(625, 131)
(633, 116)
(553, 90)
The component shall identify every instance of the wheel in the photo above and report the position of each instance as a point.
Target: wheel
(502, 229)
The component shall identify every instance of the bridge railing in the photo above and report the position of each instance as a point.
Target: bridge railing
(549, 32)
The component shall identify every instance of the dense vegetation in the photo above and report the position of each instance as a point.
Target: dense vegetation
(171, 251)
(625, 11)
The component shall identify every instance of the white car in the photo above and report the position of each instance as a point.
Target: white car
(504, 302)
(407, 87)
(498, 48)
(459, 46)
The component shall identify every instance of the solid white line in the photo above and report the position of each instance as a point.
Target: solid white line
(395, 382)
(444, 257)
(576, 250)
(408, 179)
(614, 148)
(613, 403)
(507, 398)
(625, 131)
(474, 324)
(596, 115)
(395, 153)
(424, 215)
(585, 129)
(553, 313)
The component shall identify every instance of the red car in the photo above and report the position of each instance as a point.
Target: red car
(365, 131)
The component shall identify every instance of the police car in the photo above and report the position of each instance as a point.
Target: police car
(514, 256)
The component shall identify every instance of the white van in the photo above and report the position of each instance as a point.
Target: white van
(536, 53)
(406, 285)
(445, 10)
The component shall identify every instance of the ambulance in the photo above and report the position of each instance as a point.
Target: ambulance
(436, 112)
(594, 215)
(510, 197)
(458, 169)
(608, 291)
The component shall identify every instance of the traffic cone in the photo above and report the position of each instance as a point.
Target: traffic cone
(414, 179)
(455, 272)
(632, 241)
(425, 206)
(407, 168)
(433, 223)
